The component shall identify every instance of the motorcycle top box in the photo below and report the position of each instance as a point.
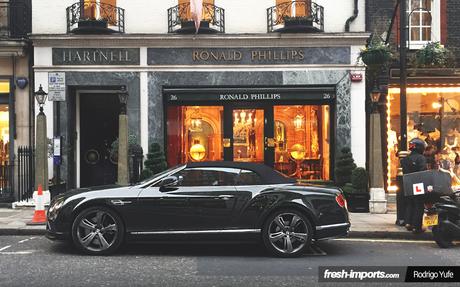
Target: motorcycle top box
(429, 181)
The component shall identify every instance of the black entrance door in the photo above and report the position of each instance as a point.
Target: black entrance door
(98, 130)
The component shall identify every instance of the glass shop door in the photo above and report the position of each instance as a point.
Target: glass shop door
(249, 134)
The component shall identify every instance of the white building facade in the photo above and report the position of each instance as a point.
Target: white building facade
(262, 81)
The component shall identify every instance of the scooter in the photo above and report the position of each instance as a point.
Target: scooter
(444, 219)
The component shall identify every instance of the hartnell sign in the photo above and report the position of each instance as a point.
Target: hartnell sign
(96, 56)
(248, 56)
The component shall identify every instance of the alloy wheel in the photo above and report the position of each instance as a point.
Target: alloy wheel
(97, 231)
(288, 233)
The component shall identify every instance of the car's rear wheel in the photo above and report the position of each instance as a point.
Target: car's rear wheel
(287, 233)
(97, 231)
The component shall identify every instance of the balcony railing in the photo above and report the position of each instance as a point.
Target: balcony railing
(301, 16)
(95, 18)
(15, 19)
(180, 19)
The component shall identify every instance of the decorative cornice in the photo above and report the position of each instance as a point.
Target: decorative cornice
(220, 40)
(12, 48)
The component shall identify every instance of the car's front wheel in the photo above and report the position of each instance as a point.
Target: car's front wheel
(287, 233)
(97, 231)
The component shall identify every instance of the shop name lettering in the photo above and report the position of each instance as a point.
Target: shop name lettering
(248, 97)
(255, 55)
(95, 56)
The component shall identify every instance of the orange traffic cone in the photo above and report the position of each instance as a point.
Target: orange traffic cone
(39, 214)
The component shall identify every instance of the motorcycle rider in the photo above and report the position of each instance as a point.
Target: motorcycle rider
(415, 162)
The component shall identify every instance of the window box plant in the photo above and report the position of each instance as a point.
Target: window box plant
(376, 53)
(93, 23)
(357, 192)
(433, 55)
(297, 21)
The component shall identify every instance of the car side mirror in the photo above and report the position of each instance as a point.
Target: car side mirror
(170, 182)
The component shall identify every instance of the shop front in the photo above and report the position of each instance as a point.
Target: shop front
(288, 128)
(433, 115)
(286, 104)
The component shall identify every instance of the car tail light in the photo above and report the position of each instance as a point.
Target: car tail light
(340, 200)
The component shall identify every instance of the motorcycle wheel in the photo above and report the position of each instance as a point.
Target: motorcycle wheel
(441, 239)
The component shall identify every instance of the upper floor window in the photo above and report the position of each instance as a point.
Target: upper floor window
(423, 22)
(295, 16)
(207, 12)
(293, 8)
(180, 18)
(95, 17)
(100, 9)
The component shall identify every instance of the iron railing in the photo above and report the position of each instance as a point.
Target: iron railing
(111, 17)
(180, 20)
(302, 13)
(6, 181)
(15, 19)
(26, 173)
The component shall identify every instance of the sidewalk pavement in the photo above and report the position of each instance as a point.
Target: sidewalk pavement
(363, 225)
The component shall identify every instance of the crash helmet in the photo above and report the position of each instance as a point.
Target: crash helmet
(417, 145)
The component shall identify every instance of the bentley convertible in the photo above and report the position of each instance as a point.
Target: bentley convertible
(201, 201)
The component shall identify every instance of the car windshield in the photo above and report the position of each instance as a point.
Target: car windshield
(161, 174)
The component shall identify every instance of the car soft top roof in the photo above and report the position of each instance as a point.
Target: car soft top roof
(268, 175)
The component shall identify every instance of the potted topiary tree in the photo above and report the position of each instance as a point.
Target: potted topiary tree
(357, 192)
(344, 167)
(155, 161)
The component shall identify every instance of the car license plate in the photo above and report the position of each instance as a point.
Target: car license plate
(430, 220)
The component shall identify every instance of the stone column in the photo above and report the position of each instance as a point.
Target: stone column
(41, 153)
(123, 171)
(377, 202)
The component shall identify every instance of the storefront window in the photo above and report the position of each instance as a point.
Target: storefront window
(302, 141)
(4, 133)
(194, 134)
(433, 115)
(248, 134)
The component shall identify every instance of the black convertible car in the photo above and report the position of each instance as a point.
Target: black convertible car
(205, 201)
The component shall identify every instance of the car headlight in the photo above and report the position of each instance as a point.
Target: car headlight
(54, 208)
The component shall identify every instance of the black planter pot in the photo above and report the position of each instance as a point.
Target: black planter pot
(92, 24)
(290, 22)
(188, 27)
(358, 202)
(298, 25)
(92, 27)
(56, 189)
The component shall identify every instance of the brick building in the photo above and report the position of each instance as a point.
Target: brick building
(433, 94)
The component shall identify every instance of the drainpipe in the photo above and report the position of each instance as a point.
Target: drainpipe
(352, 18)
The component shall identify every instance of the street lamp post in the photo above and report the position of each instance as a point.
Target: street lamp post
(123, 170)
(41, 144)
(377, 202)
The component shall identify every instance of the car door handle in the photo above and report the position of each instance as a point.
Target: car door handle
(121, 202)
(224, 197)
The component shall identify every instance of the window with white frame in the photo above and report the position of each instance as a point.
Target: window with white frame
(423, 18)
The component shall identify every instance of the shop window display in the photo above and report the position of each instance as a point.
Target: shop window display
(433, 115)
(302, 141)
(194, 134)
